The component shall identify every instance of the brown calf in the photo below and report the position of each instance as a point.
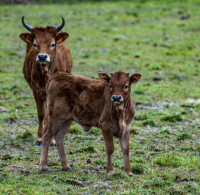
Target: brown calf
(46, 54)
(89, 102)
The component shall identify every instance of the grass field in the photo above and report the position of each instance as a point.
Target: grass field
(159, 39)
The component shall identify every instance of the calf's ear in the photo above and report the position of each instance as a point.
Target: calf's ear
(26, 37)
(104, 77)
(135, 77)
(61, 37)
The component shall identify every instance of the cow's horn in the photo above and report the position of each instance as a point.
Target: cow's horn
(111, 73)
(28, 27)
(59, 27)
(127, 73)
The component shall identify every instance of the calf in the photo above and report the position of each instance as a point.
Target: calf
(46, 54)
(104, 103)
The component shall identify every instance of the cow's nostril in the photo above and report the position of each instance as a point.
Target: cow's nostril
(42, 57)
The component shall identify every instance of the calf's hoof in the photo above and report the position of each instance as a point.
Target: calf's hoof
(38, 141)
(68, 169)
(130, 174)
(45, 171)
(108, 171)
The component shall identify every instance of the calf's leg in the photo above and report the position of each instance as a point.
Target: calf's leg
(108, 139)
(124, 143)
(53, 142)
(40, 112)
(44, 154)
(49, 130)
(60, 144)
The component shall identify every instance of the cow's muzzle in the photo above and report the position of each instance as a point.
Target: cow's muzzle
(42, 58)
(117, 99)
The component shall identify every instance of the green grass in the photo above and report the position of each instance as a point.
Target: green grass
(183, 136)
(155, 38)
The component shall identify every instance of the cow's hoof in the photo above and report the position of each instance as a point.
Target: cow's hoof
(53, 145)
(45, 171)
(70, 170)
(38, 143)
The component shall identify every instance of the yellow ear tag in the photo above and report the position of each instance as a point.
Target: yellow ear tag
(59, 40)
(28, 41)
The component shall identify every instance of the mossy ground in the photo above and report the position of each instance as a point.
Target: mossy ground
(159, 39)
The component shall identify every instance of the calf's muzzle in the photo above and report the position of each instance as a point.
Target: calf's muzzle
(117, 98)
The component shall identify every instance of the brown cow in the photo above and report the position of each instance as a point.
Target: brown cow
(107, 105)
(46, 54)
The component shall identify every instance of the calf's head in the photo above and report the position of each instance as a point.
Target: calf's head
(44, 40)
(120, 85)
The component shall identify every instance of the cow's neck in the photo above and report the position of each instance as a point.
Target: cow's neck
(48, 70)
(120, 116)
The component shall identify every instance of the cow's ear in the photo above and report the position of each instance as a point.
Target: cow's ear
(135, 77)
(26, 37)
(61, 37)
(104, 77)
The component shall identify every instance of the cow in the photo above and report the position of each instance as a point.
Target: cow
(104, 103)
(46, 54)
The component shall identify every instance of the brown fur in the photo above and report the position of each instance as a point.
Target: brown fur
(88, 102)
(37, 74)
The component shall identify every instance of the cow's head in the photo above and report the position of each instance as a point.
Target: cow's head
(120, 85)
(44, 40)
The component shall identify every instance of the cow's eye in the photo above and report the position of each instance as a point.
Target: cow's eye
(53, 45)
(110, 87)
(35, 45)
(126, 86)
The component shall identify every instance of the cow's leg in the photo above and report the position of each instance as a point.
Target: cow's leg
(124, 143)
(60, 144)
(108, 139)
(41, 112)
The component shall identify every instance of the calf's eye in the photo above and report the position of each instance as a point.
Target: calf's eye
(110, 87)
(35, 45)
(126, 86)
